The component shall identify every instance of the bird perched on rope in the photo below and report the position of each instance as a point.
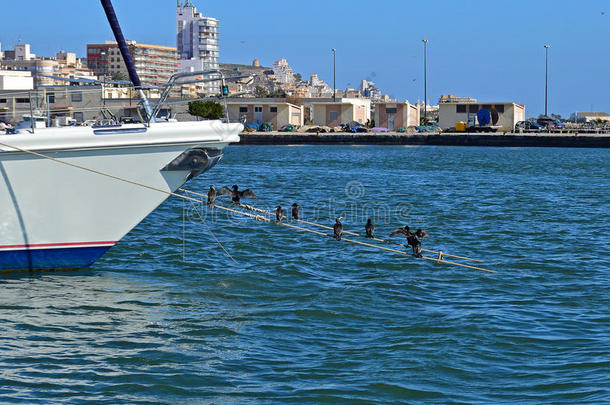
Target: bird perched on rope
(412, 239)
(338, 228)
(235, 194)
(279, 214)
(370, 229)
(295, 211)
(211, 196)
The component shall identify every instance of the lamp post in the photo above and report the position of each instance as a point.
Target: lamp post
(546, 83)
(334, 74)
(425, 41)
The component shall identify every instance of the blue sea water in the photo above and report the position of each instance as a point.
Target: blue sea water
(167, 317)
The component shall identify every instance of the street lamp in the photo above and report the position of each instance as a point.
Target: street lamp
(425, 41)
(334, 75)
(546, 85)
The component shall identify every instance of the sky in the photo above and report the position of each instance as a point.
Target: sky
(492, 51)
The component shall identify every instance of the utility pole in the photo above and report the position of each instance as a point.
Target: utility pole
(425, 41)
(546, 85)
(334, 75)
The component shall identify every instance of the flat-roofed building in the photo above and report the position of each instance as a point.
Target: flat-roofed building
(592, 116)
(260, 110)
(396, 115)
(16, 80)
(331, 113)
(154, 63)
(503, 115)
(78, 102)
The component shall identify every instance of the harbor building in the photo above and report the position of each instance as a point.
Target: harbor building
(591, 116)
(197, 41)
(77, 102)
(16, 80)
(154, 63)
(504, 115)
(396, 115)
(334, 113)
(279, 112)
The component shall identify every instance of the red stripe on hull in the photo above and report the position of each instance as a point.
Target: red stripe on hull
(50, 245)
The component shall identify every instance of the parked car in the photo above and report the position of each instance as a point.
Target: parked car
(550, 123)
(528, 126)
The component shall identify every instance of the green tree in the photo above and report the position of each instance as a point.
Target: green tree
(209, 110)
(118, 76)
(260, 92)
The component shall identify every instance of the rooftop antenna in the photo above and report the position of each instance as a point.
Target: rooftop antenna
(131, 69)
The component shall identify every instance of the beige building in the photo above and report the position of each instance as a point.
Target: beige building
(154, 63)
(396, 115)
(504, 115)
(592, 116)
(334, 113)
(260, 110)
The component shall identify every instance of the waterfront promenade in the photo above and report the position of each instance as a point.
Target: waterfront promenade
(577, 140)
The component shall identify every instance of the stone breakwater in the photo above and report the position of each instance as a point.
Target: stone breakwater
(574, 140)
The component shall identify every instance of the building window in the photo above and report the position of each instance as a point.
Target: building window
(78, 116)
(474, 109)
(391, 110)
(243, 109)
(460, 109)
(500, 108)
(2, 101)
(76, 97)
(22, 100)
(487, 107)
(333, 116)
(51, 97)
(273, 109)
(258, 109)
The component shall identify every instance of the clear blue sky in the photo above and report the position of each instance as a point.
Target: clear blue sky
(489, 50)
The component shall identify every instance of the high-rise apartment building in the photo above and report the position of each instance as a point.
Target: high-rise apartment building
(197, 41)
(154, 63)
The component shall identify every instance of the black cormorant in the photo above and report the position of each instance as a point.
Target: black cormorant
(235, 194)
(370, 229)
(412, 239)
(295, 211)
(279, 214)
(338, 228)
(211, 196)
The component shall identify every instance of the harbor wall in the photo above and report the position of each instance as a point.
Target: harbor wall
(573, 140)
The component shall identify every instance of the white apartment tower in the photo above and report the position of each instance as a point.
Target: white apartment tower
(197, 37)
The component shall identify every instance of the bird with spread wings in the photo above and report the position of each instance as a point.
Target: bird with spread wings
(413, 239)
(236, 194)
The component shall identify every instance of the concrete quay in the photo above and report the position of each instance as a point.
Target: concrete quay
(572, 140)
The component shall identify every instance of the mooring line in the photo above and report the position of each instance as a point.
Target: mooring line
(256, 209)
(214, 236)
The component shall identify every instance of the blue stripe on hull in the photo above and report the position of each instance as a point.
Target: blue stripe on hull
(39, 259)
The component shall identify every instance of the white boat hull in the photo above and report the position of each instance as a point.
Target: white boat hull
(58, 216)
